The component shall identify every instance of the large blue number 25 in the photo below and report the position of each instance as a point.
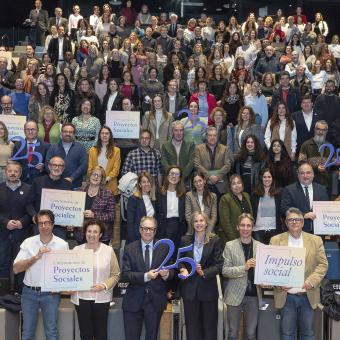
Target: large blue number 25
(22, 143)
(182, 250)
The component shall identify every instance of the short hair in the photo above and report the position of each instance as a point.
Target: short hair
(234, 176)
(145, 131)
(177, 123)
(56, 156)
(246, 215)
(323, 122)
(31, 121)
(102, 172)
(306, 97)
(293, 210)
(94, 221)
(304, 162)
(284, 73)
(330, 81)
(44, 212)
(211, 128)
(68, 124)
(9, 162)
(148, 218)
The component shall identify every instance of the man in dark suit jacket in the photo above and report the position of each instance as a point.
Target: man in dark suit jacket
(305, 121)
(14, 220)
(145, 298)
(286, 93)
(39, 24)
(172, 27)
(58, 20)
(302, 194)
(54, 52)
(33, 154)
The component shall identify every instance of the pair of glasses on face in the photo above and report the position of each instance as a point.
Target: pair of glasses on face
(174, 174)
(148, 230)
(294, 220)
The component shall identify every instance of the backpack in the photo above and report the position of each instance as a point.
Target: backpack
(126, 185)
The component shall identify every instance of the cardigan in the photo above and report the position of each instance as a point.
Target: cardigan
(54, 132)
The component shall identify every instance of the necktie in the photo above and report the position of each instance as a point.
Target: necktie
(307, 197)
(147, 257)
(58, 21)
(30, 154)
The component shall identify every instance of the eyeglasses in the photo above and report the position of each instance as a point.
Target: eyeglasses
(174, 174)
(55, 166)
(294, 220)
(322, 130)
(30, 130)
(148, 230)
(96, 175)
(45, 223)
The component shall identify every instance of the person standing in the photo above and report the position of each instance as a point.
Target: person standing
(39, 24)
(29, 261)
(297, 305)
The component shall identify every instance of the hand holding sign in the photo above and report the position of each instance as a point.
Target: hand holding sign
(29, 153)
(183, 273)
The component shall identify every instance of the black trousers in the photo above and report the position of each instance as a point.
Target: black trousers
(201, 319)
(92, 319)
(133, 322)
(264, 236)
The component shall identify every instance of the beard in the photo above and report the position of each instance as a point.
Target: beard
(319, 140)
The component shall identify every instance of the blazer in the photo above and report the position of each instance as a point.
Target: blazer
(161, 208)
(164, 130)
(185, 157)
(294, 196)
(41, 18)
(135, 211)
(53, 49)
(116, 105)
(233, 269)
(53, 22)
(192, 205)
(301, 128)
(197, 287)
(29, 173)
(293, 98)
(229, 211)
(255, 200)
(316, 266)
(112, 167)
(133, 271)
(222, 164)
(180, 103)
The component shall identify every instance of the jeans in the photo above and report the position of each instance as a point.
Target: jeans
(297, 310)
(31, 301)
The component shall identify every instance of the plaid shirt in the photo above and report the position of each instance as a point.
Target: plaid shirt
(138, 160)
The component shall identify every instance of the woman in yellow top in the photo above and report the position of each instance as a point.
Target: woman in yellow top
(105, 154)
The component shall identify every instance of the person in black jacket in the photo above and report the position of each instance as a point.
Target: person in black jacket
(145, 298)
(56, 56)
(265, 201)
(141, 203)
(14, 221)
(200, 292)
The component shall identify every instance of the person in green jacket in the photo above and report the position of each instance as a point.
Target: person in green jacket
(231, 206)
(49, 125)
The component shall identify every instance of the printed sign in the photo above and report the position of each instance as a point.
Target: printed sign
(124, 124)
(67, 206)
(280, 266)
(327, 220)
(65, 270)
(15, 125)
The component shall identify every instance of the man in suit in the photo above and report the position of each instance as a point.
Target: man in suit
(302, 194)
(214, 160)
(298, 304)
(58, 20)
(172, 27)
(145, 298)
(33, 154)
(178, 152)
(58, 47)
(39, 24)
(14, 220)
(240, 292)
(305, 121)
(286, 93)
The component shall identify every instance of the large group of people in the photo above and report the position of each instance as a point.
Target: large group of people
(232, 117)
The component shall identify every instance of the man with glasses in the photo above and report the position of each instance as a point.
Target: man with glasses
(73, 153)
(145, 299)
(7, 105)
(298, 304)
(310, 152)
(29, 261)
(54, 180)
(144, 158)
(32, 154)
(302, 194)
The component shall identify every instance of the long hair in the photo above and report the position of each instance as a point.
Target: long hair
(110, 145)
(252, 119)
(180, 189)
(44, 110)
(226, 93)
(101, 76)
(5, 138)
(208, 235)
(56, 86)
(259, 189)
(152, 111)
(275, 119)
(207, 195)
(37, 95)
(244, 153)
(284, 153)
(138, 192)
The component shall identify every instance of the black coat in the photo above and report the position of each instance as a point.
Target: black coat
(116, 105)
(133, 271)
(293, 98)
(53, 49)
(197, 287)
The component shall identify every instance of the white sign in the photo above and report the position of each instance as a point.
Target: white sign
(124, 124)
(67, 206)
(66, 270)
(15, 125)
(280, 266)
(327, 220)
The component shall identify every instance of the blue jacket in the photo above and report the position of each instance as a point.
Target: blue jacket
(75, 161)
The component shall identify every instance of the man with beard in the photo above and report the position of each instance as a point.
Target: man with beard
(328, 104)
(310, 152)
